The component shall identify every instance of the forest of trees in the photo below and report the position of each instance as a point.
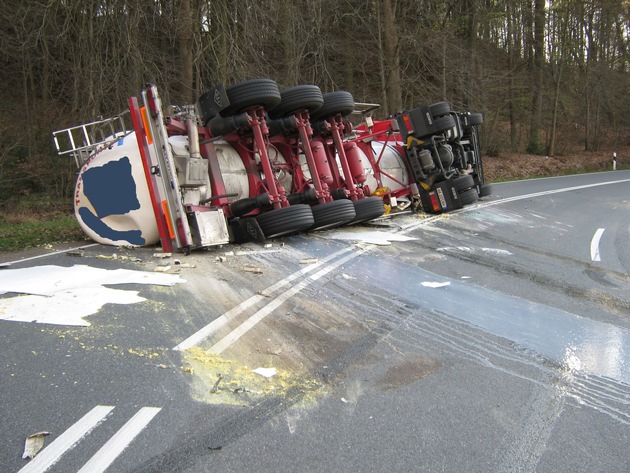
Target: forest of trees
(548, 75)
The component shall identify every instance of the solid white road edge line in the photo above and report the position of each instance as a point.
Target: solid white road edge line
(120, 440)
(51, 254)
(51, 454)
(512, 199)
(595, 244)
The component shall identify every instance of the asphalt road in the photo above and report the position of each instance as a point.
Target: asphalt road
(496, 338)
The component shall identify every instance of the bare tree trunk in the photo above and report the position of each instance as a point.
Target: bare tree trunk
(554, 120)
(392, 59)
(534, 145)
(186, 52)
(510, 58)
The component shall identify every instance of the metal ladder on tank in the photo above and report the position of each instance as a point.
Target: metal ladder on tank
(83, 140)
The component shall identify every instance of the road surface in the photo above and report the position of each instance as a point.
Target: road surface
(496, 338)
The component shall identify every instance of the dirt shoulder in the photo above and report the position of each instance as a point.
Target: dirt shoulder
(515, 166)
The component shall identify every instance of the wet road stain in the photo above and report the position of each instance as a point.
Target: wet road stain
(407, 372)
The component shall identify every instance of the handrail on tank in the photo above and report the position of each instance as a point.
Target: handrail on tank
(81, 140)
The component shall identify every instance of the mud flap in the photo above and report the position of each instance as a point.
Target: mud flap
(246, 229)
(441, 197)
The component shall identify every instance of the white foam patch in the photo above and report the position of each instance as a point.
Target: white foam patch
(373, 237)
(65, 295)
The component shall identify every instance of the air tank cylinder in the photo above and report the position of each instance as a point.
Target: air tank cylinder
(353, 155)
(321, 161)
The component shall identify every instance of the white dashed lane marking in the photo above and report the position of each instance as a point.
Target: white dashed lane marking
(595, 244)
(80, 429)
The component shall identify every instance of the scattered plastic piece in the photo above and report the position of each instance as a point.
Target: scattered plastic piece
(253, 269)
(162, 269)
(215, 388)
(496, 251)
(435, 284)
(266, 372)
(162, 255)
(34, 443)
(308, 261)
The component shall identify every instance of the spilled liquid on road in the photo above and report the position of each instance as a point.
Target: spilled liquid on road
(573, 342)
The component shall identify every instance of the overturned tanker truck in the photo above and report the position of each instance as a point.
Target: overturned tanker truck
(251, 162)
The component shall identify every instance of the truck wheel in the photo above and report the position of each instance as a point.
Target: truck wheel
(301, 97)
(463, 182)
(286, 220)
(439, 109)
(475, 119)
(484, 190)
(333, 214)
(468, 197)
(368, 209)
(444, 123)
(340, 102)
(250, 93)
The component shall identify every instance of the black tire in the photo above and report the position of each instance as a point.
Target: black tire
(439, 109)
(294, 99)
(340, 102)
(247, 94)
(469, 196)
(463, 182)
(484, 190)
(475, 119)
(368, 209)
(333, 214)
(444, 123)
(286, 220)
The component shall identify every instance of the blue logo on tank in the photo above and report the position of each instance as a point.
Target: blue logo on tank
(111, 190)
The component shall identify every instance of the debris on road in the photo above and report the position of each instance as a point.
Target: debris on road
(370, 237)
(33, 444)
(253, 269)
(184, 265)
(215, 388)
(435, 284)
(266, 372)
(308, 261)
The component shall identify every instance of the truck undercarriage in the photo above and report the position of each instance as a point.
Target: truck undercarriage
(252, 162)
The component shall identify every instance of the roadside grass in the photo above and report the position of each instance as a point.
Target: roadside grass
(24, 224)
